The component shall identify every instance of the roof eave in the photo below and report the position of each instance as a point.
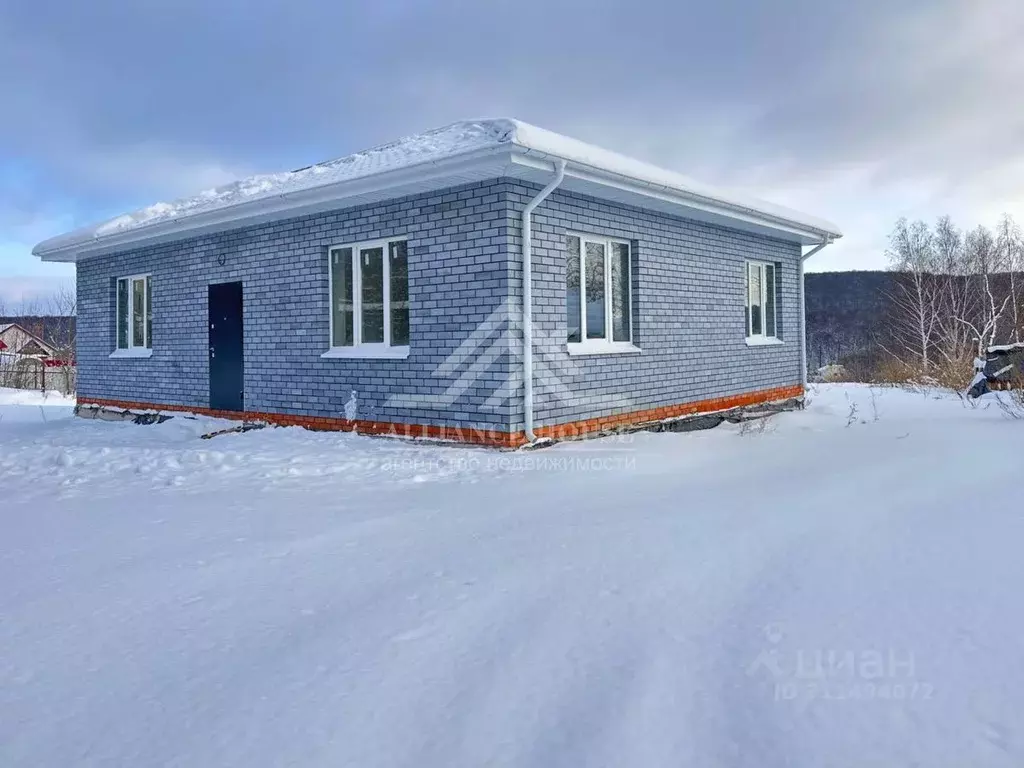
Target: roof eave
(497, 158)
(277, 207)
(791, 229)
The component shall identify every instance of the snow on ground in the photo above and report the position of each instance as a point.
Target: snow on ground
(840, 587)
(30, 405)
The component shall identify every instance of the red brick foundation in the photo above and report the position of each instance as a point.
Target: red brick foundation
(492, 438)
(603, 423)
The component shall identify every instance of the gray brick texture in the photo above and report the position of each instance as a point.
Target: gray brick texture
(465, 284)
(458, 253)
(689, 285)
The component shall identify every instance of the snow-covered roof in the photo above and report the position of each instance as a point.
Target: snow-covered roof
(458, 152)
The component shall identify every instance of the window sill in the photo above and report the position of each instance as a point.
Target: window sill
(603, 348)
(763, 341)
(131, 353)
(367, 352)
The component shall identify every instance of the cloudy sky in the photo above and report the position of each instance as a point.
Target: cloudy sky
(860, 112)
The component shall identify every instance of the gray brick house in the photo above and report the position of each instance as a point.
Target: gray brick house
(384, 292)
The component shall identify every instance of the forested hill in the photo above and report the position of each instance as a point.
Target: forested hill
(845, 313)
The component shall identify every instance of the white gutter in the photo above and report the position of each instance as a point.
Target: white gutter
(339, 193)
(247, 211)
(528, 298)
(803, 311)
(728, 210)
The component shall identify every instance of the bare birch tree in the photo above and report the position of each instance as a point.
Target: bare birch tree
(916, 295)
(1008, 246)
(983, 260)
(954, 295)
(957, 301)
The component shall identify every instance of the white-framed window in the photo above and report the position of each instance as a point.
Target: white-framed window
(598, 294)
(369, 292)
(761, 300)
(134, 315)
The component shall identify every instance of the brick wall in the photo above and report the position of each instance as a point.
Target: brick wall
(688, 312)
(464, 367)
(458, 250)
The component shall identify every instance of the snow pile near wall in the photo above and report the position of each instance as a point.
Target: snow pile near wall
(838, 586)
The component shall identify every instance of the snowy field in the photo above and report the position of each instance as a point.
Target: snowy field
(841, 587)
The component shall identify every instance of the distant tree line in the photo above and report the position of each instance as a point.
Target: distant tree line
(845, 315)
(955, 293)
(949, 294)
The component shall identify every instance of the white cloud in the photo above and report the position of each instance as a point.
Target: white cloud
(858, 112)
(154, 168)
(31, 294)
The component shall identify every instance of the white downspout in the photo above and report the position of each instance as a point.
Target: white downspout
(803, 312)
(528, 298)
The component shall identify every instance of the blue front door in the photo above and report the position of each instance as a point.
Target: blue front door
(227, 377)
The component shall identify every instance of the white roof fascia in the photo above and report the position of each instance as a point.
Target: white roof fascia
(287, 205)
(511, 148)
(553, 144)
(783, 228)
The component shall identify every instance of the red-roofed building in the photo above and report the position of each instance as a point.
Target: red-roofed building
(30, 362)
